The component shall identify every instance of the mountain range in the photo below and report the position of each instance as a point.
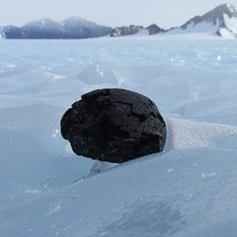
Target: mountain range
(72, 28)
(221, 21)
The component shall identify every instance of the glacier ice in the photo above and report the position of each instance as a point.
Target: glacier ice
(188, 190)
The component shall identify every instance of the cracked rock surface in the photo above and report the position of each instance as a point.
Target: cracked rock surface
(114, 125)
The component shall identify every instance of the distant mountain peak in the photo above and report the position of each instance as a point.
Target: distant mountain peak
(43, 23)
(126, 30)
(215, 16)
(45, 28)
(154, 29)
(221, 10)
(221, 21)
(77, 22)
(231, 7)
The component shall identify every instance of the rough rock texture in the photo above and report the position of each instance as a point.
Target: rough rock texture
(114, 125)
(154, 29)
(125, 30)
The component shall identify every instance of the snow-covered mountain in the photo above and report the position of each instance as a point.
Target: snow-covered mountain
(221, 21)
(73, 28)
(133, 29)
(44, 28)
(77, 27)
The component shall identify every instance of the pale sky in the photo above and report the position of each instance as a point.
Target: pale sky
(165, 13)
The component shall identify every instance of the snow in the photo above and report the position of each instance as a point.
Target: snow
(231, 23)
(231, 7)
(187, 190)
(193, 31)
(227, 34)
(143, 32)
(204, 27)
(2, 35)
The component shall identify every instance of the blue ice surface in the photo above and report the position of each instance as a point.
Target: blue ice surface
(188, 190)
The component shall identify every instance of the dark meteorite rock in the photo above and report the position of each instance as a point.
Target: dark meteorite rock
(114, 125)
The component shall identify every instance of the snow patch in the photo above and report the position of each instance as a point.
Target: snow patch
(231, 24)
(186, 134)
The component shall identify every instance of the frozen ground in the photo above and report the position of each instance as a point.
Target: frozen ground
(188, 190)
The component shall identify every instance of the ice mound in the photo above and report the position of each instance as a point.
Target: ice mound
(99, 73)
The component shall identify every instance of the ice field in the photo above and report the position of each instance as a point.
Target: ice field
(187, 190)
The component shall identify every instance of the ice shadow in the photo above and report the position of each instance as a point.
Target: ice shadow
(146, 219)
